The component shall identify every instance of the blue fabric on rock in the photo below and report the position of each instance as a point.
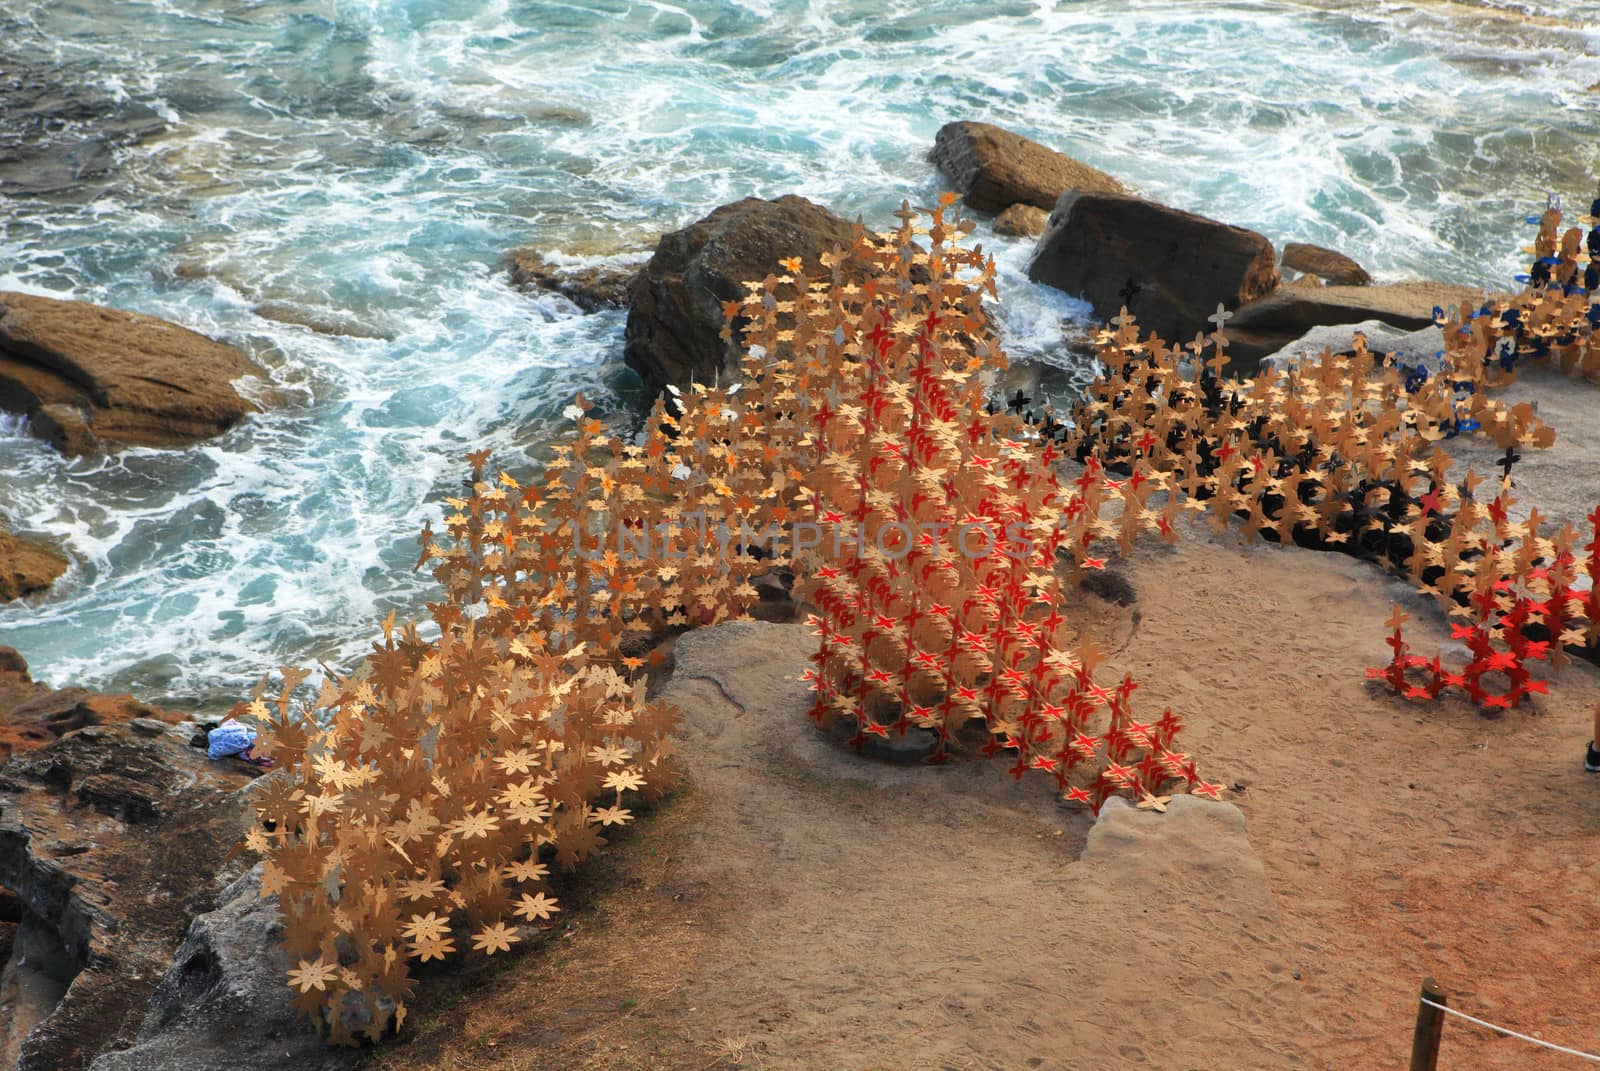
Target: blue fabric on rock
(229, 738)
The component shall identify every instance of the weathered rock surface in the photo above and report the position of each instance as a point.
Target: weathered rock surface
(34, 714)
(91, 378)
(994, 168)
(1411, 347)
(1329, 265)
(26, 566)
(63, 127)
(674, 329)
(1169, 268)
(1276, 321)
(113, 838)
(1022, 221)
(223, 1005)
(590, 288)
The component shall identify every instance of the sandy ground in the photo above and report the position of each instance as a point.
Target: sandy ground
(1399, 839)
(802, 908)
(798, 907)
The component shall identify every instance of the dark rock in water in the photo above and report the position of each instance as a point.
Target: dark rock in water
(993, 168)
(113, 840)
(674, 331)
(26, 566)
(223, 1004)
(59, 130)
(33, 714)
(1171, 269)
(1267, 326)
(1330, 266)
(591, 289)
(91, 378)
(1022, 221)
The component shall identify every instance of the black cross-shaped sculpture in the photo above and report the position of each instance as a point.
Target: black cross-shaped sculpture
(1129, 289)
(1511, 458)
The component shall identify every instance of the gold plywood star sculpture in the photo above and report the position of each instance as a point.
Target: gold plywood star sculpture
(429, 794)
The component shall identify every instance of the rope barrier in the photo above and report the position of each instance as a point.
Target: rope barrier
(1502, 1030)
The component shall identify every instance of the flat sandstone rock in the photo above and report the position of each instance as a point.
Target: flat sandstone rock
(1409, 347)
(1276, 321)
(91, 378)
(33, 714)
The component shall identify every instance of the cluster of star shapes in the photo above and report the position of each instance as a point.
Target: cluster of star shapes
(882, 367)
(426, 805)
(1345, 452)
(860, 410)
(428, 794)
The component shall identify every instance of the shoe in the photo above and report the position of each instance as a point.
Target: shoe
(1591, 759)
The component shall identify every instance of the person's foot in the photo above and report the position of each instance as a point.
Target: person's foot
(1591, 759)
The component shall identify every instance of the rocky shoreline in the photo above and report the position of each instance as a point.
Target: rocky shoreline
(1093, 239)
(89, 379)
(103, 795)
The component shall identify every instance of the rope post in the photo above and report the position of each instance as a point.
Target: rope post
(1430, 1025)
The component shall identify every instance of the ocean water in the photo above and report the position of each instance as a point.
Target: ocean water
(332, 185)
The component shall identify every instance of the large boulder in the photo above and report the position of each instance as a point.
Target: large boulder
(1267, 326)
(1329, 265)
(591, 287)
(34, 714)
(223, 1004)
(91, 378)
(1170, 268)
(113, 838)
(26, 566)
(674, 329)
(994, 168)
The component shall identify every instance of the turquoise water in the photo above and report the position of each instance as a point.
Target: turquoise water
(252, 167)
